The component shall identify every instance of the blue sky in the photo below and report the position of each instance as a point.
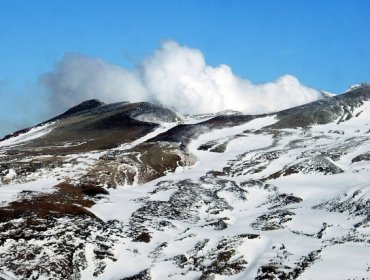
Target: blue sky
(325, 44)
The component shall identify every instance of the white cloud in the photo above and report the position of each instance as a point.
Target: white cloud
(77, 78)
(174, 76)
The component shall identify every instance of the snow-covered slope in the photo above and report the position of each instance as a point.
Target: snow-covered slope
(279, 196)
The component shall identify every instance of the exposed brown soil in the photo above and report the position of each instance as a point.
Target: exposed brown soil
(146, 162)
(158, 159)
(67, 200)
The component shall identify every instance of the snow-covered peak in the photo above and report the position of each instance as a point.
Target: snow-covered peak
(327, 94)
(358, 86)
(229, 196)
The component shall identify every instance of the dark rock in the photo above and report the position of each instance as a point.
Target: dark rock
(143, 275)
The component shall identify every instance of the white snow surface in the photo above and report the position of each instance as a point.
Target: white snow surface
(338, 238)
(297, 233)
(11, 192)
(33, 133)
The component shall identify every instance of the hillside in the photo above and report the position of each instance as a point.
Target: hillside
(136, 191)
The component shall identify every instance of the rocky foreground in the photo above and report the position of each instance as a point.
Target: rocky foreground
(135, 191)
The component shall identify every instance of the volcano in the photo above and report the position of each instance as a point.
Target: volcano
(137, 191)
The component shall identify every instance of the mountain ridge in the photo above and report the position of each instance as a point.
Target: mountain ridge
(134, 191)
(355, 93)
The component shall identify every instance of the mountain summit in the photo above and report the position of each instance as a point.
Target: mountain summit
(135, 191)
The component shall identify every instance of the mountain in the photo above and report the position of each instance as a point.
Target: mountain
(135, 191)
